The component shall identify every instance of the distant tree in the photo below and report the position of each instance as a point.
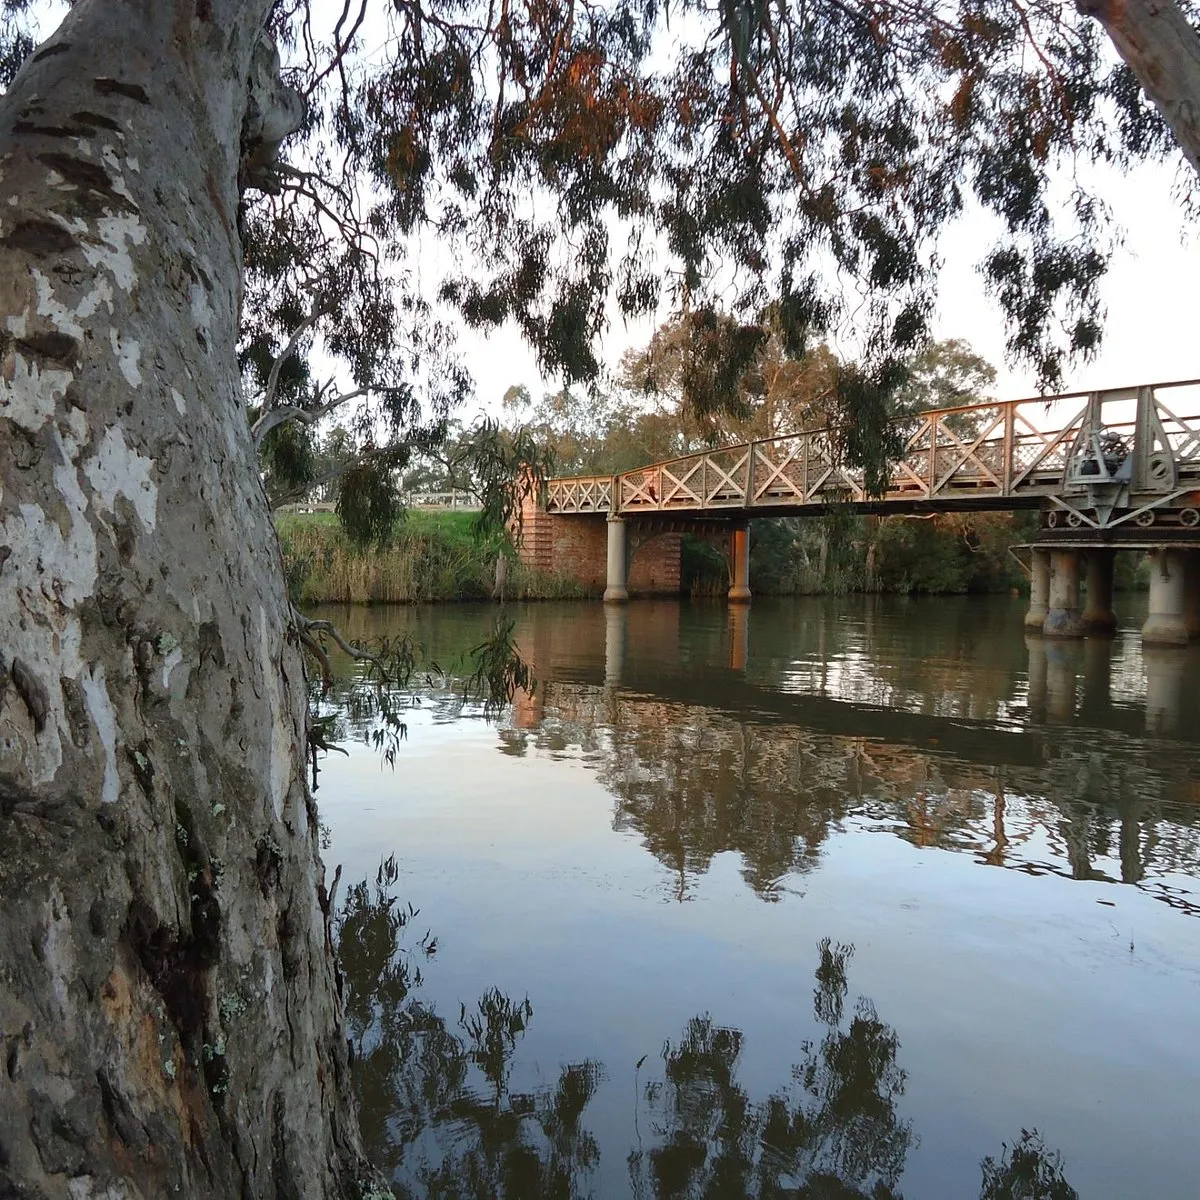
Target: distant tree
(699, 369)
(946, 374)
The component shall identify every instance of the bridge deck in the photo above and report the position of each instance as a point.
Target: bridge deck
(1118, 455)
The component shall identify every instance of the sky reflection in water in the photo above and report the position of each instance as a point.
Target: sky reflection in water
(866, 887)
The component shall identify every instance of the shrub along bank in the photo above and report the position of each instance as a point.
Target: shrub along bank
(433, 556)
(430, 556)
(841, 552)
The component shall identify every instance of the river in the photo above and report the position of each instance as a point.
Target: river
(833, 897)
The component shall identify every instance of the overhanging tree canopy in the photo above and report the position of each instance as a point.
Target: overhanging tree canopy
(745, 160)
(177, 1026)
(733, 158)
(733, 161)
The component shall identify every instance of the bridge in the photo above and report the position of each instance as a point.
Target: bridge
(1108, 470)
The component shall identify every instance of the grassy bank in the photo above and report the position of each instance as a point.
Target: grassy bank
(432, 556)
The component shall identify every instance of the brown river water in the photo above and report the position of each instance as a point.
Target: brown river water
(855, 897)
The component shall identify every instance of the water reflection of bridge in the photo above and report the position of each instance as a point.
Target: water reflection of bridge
(1019, 757)
(1117, 469)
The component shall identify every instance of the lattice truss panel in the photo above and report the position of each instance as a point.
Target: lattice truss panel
(1001, 450)
(581, 494)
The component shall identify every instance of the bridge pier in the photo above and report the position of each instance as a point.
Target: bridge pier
(1039, 590)
(1191, 593)
(1166, 625)
(1063, 618)
(1098, 619)
(739, 589)
(616, 590)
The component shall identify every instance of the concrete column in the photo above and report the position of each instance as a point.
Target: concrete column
(1063, 617)
(1191, 592)
(739, 591)
(616, 591)
(1165, 675)
(1099, 620)
(1039, 590)
(1165, 626)
(739, 636)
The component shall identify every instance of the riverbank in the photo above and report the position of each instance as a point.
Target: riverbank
(432, 556)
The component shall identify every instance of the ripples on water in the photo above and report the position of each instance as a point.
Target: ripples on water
(830, 898)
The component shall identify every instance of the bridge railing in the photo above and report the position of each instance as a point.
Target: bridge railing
(580, 494)
(1002, 450)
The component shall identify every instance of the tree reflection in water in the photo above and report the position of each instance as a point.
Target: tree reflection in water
(835, 1131)
(439, 1114)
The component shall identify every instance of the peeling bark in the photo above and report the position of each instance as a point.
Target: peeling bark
(170, 1017)
(1162, 48)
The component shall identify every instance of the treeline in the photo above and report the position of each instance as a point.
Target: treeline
(434, 557)
(841, 552)
(645, 417)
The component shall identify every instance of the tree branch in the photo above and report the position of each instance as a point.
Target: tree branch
(1162, 48)
(302, 490)
(274, 417)
(273, 379)
(307, 627)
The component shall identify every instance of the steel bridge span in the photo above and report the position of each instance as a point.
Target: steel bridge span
(1107, 470)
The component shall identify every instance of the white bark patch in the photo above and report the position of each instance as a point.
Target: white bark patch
(71, 561)
(180, 405)
(101, 293)
(104, 717)
(118, 470)
(58, 952)
(281, 734)
(169, 664)
(43, 562)
(48, 307)
(113, 252)
(32, 396)
(48, 575)
(88, 1187)
(128, 356)
(75, 432)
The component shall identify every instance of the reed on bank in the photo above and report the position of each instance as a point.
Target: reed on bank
(431, 556)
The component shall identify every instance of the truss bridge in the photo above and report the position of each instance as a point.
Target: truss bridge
(1107, 470)
(1120, 455)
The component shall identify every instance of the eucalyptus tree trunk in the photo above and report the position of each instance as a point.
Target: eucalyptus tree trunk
(169, 1004)
(1162, 48)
